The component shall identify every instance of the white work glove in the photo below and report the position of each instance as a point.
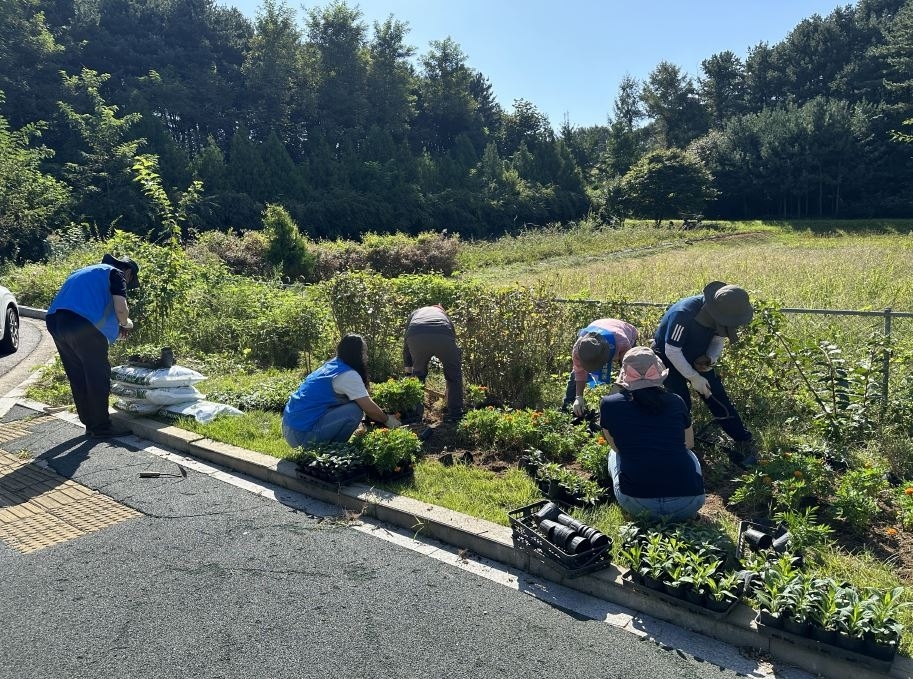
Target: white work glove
(579, 406)
(700, 385)
(392, 422)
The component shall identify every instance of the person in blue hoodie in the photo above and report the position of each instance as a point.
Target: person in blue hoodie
(89, 313)
(329, 405)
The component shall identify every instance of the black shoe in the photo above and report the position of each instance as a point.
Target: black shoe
(108, 432)
(744, 454)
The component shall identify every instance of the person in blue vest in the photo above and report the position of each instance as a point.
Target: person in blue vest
(89, 313)
(598, 345)
(330, 403)
(690, 340)
(655, 475)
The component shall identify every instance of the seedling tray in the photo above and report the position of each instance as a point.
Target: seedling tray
(628, 580)
(326, 477)
(527, 538)
(821, 647)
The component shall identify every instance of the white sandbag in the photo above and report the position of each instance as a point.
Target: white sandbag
(135, 406)
(162, 396)
(155, 378)
(202, 411)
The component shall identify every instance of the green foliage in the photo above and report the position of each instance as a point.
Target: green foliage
(243, 253)
(782, 480)
(52, 386)
(389, 449)
(288, 250)
(514, 431)
(666, 183)
(593, 456)
(32, 203)
(267, 391)
(398, 396)
(903, 501)
(389, 255)
(855, 500)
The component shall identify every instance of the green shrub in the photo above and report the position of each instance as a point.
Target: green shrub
(243, 253)
(390, 255)
(398, 396)
(288, 250)
(594, 458)
(388, 449)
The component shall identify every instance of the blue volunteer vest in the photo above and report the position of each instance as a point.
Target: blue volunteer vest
(87, 292)
(604, 374)
(314, 397)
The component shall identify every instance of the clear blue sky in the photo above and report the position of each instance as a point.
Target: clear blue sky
(568, 56)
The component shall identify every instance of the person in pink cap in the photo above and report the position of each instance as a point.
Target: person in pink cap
(655, 475)
(601, 343)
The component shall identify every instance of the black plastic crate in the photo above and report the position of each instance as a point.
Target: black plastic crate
(333, 477)
(527, 538)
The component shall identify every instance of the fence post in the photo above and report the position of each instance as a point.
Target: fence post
(886, 370)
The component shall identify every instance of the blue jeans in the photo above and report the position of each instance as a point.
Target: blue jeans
(336, 425)
(670, 508)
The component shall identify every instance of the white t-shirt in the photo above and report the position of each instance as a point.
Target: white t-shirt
(349, 384)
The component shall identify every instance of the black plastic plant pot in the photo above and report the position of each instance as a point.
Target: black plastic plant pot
(546, 526)
(822, 634)
(578, 544)
(598, 539)
(653, 583)
(549, 511)
(768, 619)
(446, 459)
(695, 596)
(571, 522)
(798, 627)
(562, 535)
(676, 590)
(849, 642)
(880, 650)
(718, 605)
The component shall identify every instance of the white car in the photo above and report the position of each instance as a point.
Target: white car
(9, 339)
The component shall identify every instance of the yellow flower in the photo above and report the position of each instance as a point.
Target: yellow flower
(601, 440)
(908, 491)
(891, 531)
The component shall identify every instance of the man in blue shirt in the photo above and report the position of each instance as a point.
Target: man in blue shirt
(690, 339)
(88, 313)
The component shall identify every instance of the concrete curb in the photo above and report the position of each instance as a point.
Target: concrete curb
(494, 541)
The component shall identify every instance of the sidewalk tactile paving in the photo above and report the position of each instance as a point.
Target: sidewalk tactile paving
(39, 508)
(10, 431)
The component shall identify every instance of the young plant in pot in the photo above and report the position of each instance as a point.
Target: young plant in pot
(631, 555)
(852, 620)
(823, 615)
(656, 561)
(701, 572)
(770, 593)
(802, 597)
(884, 631)
(723, 591)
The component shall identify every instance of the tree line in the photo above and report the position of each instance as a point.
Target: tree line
(351, 129)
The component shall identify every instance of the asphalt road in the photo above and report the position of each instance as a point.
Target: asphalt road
(221, 577)
(35, 347)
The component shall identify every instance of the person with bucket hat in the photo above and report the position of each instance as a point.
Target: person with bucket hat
(88, 313)
(690, 340)
(598, 345)
(655, 475)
